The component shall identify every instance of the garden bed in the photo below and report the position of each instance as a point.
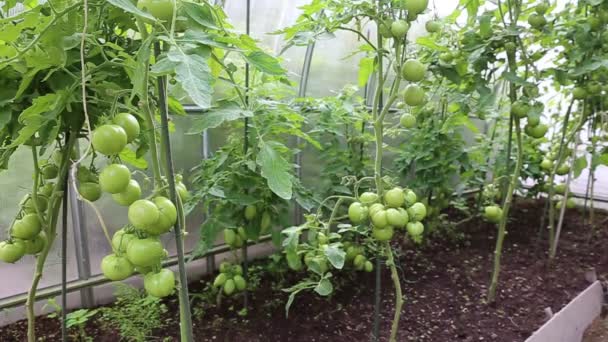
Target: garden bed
(444, 284)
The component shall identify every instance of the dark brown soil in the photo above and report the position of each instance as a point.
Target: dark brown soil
(444, 284)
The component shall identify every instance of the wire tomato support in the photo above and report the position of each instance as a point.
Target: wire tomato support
(245, 149)
(184, 302)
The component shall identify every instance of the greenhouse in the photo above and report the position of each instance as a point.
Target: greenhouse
(304, 170)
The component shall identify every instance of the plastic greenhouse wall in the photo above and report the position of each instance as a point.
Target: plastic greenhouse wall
(330, 71)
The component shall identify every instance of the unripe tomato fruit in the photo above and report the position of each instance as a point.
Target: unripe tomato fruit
(520, 109)
(537, 21)
(229, 287)
(143, 213)
(129, 123)
(560, 189)
(410, 197)
(230, 236)
(265, 222)
(579, 93)
(49, 171)
(537, 131)
(160, 9)
(114, 178)
(432, 26)
(374, 208)
(415, 228)
(89, 191)
(160, 284)
(116, 268)
(357, 212)
(250, 212)
(533, 120)
(368, 198)
(145, 252)
(383, 234)
(182, 191)
(492, 213)
(359, 261)
(28, 205)
(394, 198)
(121, 240)
(397, 217)
(46, 190)
(546, 164)
(239, 282)
(413, 70)
(417, 212)
(385, 29)
(380, 220)
(407, 120)
(542, 8)
(446, 57)
(399, 28)
(416, 6)
(563, 170)
(368, 266)
(27, 227)
(109, 139)
(220, 280)
(414, 95)
(225, 267)
(11, 252)
(167, 216)
(131, 194)
(35, 245)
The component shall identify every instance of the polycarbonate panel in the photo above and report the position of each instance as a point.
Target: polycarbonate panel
(15, 184)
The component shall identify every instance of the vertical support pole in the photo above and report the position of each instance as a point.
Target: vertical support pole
(81, 244)
(245, 148)
(184, 300)
(64, 258)
(210, 259)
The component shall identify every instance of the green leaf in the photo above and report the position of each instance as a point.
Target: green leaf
(336, 256)
(44, 109)
(324, 288)
(275, 169)
(209, 231)
(457, 121)
(130, 157)
(130, 7)
(579, 165)
(226, 111)
(265, 63)
(366, 68)
(430, 43)
(202, 14)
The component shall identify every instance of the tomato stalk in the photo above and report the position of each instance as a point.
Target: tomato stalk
(50, 231)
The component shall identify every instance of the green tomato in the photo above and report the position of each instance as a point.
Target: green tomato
(415, 228)
(416, 6)
(407, 120)
(359, 261)
(533, 120)
(414, 95)
(394, 198)
(220, 280)
(35, 245)
(570, 203)
(131, 194)
(167, 216)
(579, 93)
(145, 252)
(121, 240)
(116, 268)
(239, 282)
(446, 57)
(374, 208)
(397, 217)
(250, 212)
(594, 88)
(322, 238)
(49, 171)
(160, 9)
(417, 212)
(237, 269)
(230, 236)
(537, 21)
(520, 109)
(27, 227)
(182, 191)
(493, 213)
(114, 178)
(46, 190)
(563, 170)
(383, 234)
(229, 287)
(143, 214)
(161, 284)
(385, 29)
(11, 252)
(410, 197)
(537, 131)
(368, 266)
(546, 164)
(357, 212)
(432, 26)
(542, 8)
(352, 252)
(265, 222)
(380, 219)
(225, 267)
(413, 70)
(89, 191)
(560, 188)
(399, 29)
(28, 204)
(242, 233)
(109, 139)
(368, 198)
(129, 123)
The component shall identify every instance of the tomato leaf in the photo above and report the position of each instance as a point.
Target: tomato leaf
(275, 169)
(130, 157)
(226, 111)
(324, 288)
(366, 68)
(336, 256)
(264, 62)
(579, 165)
(202, 14)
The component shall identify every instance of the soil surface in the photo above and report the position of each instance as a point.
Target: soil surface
(444, 284)
(597, 332)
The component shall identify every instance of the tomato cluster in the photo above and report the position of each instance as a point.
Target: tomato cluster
(230, 279)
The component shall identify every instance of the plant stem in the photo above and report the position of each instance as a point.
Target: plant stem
(50, 230)
(398, 292)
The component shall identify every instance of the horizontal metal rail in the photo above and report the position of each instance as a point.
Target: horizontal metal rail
(20, 299)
